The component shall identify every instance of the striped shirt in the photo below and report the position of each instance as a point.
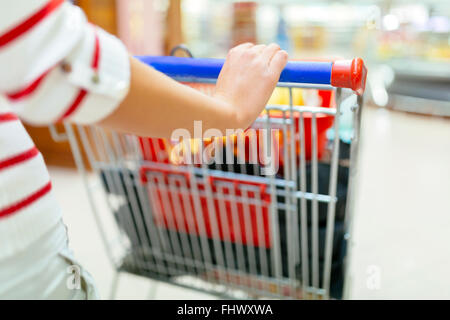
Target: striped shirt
(54, 66)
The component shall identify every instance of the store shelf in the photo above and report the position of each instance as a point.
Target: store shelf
(417, 69)
(422, 106)
(420, 79)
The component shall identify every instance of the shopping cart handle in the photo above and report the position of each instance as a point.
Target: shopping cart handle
(340, 73)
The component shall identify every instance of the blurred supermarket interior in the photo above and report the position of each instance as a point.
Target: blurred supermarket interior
(402, 207)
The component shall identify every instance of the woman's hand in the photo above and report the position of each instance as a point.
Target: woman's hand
(247, 79)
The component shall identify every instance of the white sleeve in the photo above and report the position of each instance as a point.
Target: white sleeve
(56, 66)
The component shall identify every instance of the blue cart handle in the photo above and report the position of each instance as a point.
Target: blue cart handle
(340, 73)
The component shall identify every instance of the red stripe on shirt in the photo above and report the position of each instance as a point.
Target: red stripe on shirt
(82, 93)
(29, 89)
(19, 158)
(26, 202)
(75, 104)
(29, 23)
(96, 58)
(5, 117)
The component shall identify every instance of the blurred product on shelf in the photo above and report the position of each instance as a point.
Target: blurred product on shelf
(282, 37)
(244, 23)
(206, 27)
(309, 38)
(134, 18)
(414, 31)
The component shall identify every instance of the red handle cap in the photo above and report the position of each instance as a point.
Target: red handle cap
(349, 74)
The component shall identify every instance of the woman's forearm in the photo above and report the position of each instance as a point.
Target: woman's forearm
(156, 105)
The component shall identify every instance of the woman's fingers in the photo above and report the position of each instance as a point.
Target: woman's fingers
(238, 50)
(272, 56)
(245, 45)
(278, 62)
(261, 51)
(269, 52)
(258, 49)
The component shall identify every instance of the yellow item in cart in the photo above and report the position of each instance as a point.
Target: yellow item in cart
(280, 96)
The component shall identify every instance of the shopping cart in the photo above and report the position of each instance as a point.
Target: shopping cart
(226, 228)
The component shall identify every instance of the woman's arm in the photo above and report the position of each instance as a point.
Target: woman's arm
(157, 105)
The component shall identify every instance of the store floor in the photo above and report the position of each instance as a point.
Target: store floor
(401, 228)
(400, 244)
